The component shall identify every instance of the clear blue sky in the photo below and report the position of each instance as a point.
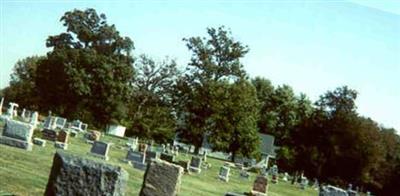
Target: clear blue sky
(313, 46)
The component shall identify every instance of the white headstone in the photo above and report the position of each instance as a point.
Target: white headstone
(34, 119)
(23, 113)
(11, 109)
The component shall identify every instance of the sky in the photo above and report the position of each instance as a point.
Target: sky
(313, 46)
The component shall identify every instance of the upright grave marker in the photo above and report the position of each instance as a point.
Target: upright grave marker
(195, 164)
(62, 140)
(167, 157)
(34, 119)
(224, 173)
(60, 122)
(72, 175)
(49, 134)
(137, 159)
(100, 149)
(260, 186)
(161, 179)
(17, 134)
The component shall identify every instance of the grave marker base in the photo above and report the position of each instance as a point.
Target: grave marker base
(16, 143)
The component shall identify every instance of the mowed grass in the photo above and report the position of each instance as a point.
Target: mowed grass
(26, 172)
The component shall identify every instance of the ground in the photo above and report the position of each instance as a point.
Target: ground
(26, 172)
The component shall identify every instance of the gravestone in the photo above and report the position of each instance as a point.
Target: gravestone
(150, 155)
(167, 157)
(205, 156)
(84, 126)
(17, 134)
(285, 177)
(34, 119)
(11, 109)
(274, 173)
(304, 182)
(260, 186)
(195, 164)
(49, 134)
(39, 142)
(161, 179)
(72, 175)
(137, 159)
(93, 135)
(50, 123)
(23, 113)
(332, 191)
(100, 149)
(224, 173)
(142, 147)
(62, 140)
(60, 122)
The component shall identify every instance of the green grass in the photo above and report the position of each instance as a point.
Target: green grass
(26, 173)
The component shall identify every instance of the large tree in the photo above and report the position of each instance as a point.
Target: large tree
(151, 109)
(214, 58)
(88, 73)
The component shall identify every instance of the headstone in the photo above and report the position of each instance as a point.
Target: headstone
(11, 109)
(224, 173)
(195, 164)
(93, 135)
(72, 175)
(23, 113)
(49, 134)
(76, 124)
(332, 191)
(304, 182)
(205, 156)
(260, 186)
(39, 142)
(142, 147)
(100, 149)
(150, 155)
(62, 140)
(116, 130)
(274, 173)
(60, 122)
(137, 159)
(285, 177)
(34, 119)
(17, 134)
(161, 179)
(73, 133)
(84, 126)
(50, 123)
(167, 157)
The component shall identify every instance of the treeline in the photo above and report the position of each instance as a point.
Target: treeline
(91, 74)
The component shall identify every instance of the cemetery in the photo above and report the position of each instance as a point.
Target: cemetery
(91, 111)
(28, 172)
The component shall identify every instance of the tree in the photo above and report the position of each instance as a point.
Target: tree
(22, 88)
(89, 72)
(151, 107)
(234, 119)
(214, 59)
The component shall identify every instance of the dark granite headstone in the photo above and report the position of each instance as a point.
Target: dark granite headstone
(161, 179)
(167, 157)
(260, 185)
(72, 175)
(63, 136)
(100, 149)
(150, 155)
(195, 164)
(134, 156)
(184, 165)
(49, 134)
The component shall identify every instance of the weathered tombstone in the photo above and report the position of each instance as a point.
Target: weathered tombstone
(39, 142)
(49, 134)
(142, 147)
(304, 182)
(161, 179)
(274, 173)
(260, 186)
(167, 157)
(34, 119)
(137, 159)
(150, 155)
(76, 124)
(72, 175)
(17, 134)
(195, 164)
(100, 149)
(84, 126)
(60, 122)
(62, 140)
(224, 173)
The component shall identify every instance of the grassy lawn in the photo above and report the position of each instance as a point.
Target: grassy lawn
(26, 173)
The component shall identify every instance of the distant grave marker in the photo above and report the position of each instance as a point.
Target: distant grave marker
(224, 173)
(49, 134)
(195, 164)
(167, 157)
(260, 186)
(100, 149)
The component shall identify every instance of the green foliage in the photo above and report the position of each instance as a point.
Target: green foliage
(151, 109)
(88, 73)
